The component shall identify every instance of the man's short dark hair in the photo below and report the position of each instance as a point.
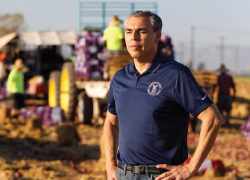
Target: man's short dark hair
(155, 20)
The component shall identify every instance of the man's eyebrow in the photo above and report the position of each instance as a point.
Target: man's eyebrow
(139, 29)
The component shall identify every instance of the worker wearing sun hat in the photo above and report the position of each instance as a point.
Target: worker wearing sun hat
(15, 85)
(113, 35)
(225, 82)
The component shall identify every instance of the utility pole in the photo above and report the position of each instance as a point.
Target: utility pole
(192, 47)
(222, 50)
(181, 52)
(237, 58)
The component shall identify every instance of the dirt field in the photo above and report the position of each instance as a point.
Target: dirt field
(29, 153)
(41, 158)
(24, 156)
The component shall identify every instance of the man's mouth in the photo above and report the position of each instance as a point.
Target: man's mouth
(135, 47)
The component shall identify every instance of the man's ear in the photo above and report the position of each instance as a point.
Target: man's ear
(158, 36)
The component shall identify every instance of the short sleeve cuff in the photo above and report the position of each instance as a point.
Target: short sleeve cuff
(202, 107)
(112, 111)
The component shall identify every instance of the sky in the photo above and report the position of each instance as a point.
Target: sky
(212, 19)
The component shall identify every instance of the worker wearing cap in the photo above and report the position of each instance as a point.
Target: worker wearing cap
(148, 111)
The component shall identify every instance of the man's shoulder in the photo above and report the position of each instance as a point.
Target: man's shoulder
(172, 65)
(107, 29)
(120, 74)
(112, 27)
(225, 76)
(125, 69)
(13, 71)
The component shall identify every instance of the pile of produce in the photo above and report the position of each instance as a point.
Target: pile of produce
(89, 56)
(49, 115)
(246, 129)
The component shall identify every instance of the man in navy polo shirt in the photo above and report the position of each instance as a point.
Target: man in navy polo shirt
(148, 111)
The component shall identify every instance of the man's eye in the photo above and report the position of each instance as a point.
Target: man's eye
(128, 32)
(143, 32)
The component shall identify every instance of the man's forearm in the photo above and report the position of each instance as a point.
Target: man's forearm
(110, 143)
(208, 134)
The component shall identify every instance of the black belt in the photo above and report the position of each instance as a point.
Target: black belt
(142, 169)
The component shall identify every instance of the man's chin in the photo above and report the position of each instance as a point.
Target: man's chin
(134, 54)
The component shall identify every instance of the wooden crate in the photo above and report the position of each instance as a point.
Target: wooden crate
(117, 63)
(205, 77)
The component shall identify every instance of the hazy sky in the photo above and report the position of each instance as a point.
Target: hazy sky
(212, 19)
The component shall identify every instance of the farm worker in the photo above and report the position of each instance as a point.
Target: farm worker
(15, 85)
(113, 35)
(225, 82)
(2, 69)
(2, 75)
(148, 111)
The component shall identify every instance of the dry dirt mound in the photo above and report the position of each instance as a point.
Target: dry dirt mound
(31, 152)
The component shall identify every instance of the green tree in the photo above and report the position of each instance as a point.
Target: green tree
(11, 23)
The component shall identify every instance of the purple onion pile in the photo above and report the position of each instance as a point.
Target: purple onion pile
(49, 115)
(246, 129)
(89, 56)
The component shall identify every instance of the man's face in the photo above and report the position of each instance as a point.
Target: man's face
(141, 40)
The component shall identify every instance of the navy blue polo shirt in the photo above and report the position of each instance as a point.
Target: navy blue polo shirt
(153, 111)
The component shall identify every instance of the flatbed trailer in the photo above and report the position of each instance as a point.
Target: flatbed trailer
(68, 91)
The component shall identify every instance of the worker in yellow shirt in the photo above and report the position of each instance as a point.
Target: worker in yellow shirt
(15, 86)
(113, 35)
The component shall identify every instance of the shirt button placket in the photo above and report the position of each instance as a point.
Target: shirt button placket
(137, 82)
(137, 87)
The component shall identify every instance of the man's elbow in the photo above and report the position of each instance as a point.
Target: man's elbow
(219, 121)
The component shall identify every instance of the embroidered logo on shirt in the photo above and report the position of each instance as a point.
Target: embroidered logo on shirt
(203, 97)
(154, 88)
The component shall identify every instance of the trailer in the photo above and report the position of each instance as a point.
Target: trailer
(41, 52)
(71, 91)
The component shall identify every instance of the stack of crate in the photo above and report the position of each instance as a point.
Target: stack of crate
(207, 80)
(118, 62)
(205, 77)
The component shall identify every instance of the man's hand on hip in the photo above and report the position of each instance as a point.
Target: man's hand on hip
(111, 173)
(179, 172)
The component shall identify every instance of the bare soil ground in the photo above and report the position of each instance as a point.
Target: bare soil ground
(39, 157)
(34, 154)
(231, 148)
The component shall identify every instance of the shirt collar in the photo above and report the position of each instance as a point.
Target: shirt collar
(136, 72)
(155, 65)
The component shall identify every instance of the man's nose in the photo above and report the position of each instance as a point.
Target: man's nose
(135, 36)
